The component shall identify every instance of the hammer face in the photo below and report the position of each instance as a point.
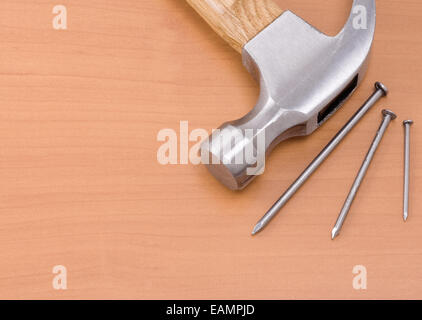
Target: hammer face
(304, 75)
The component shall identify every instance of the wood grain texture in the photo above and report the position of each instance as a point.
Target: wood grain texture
(80, 184)
(237, 21)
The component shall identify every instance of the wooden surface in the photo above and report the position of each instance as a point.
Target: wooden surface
(81, 185)
(237, 21)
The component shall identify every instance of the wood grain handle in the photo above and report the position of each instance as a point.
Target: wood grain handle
(237, 21)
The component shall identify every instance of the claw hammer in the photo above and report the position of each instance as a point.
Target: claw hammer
(305, 76)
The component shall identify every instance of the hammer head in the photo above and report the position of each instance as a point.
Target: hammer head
(304, 75)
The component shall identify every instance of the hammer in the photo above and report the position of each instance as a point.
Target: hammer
(305, 76)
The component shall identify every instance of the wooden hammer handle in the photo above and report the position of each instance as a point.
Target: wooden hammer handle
(237, 21)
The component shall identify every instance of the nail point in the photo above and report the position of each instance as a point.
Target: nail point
(334, 233)
(256, 229)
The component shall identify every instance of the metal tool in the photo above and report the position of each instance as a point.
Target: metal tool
(406, 124)
(380, 91)
(304, 75)
(387, 117)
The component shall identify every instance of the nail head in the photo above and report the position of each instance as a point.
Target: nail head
(381, 86)
(390, 113)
